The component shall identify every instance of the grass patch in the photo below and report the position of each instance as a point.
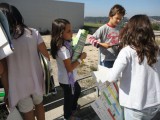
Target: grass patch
(93, 25)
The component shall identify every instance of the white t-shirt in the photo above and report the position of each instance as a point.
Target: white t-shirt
(140, 83)
(63, 54)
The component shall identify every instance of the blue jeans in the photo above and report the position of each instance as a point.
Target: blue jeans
(108, 64)
(146, 114)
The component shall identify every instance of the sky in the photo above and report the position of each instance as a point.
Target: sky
(100, 8)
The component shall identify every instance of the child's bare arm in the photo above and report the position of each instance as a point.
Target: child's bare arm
(105, 45)
(42, 48)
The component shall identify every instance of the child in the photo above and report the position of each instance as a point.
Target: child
(139, 63)
(61, 50)
(107, 35)
(25, 75)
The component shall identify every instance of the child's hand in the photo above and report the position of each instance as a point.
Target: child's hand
(83, 55)
(105, 45)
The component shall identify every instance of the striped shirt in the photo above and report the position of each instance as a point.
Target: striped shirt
(106, 34)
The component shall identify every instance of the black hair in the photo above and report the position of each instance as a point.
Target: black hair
(15, 20)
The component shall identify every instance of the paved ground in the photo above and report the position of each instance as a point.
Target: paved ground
(54, 105)
(86, 113)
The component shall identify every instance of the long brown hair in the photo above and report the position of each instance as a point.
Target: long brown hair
(138, 34)
(58, 27)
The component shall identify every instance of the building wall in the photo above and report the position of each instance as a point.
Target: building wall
(40, 13)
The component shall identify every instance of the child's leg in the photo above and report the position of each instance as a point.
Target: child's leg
(77, 93)
(29, 115)
(39, 109)
(68, 100)
(26, 107)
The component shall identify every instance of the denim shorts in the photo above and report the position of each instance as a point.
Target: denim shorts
(146, 114)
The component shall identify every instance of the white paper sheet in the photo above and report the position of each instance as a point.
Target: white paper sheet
(3, 36)
(101, 75)
(5, 51)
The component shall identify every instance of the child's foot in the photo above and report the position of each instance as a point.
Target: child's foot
(74, 112)
(74, 118)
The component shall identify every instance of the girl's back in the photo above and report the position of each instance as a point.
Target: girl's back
(24, 66)
(140, 84)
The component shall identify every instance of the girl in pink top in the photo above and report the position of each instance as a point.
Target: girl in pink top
(25, 75)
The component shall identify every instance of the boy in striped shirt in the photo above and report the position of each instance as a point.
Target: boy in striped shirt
(106, 37)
